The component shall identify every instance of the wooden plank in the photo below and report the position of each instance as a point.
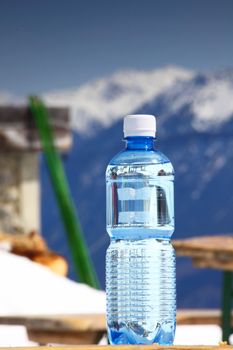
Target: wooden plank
(72, 338)
(70, 323)
(18, 131)
(208, 251)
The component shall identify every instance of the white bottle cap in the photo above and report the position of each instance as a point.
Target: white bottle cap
(139, 125)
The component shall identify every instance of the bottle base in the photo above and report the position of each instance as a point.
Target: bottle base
(132, 333)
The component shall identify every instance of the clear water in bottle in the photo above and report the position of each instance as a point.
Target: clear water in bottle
(140, 261)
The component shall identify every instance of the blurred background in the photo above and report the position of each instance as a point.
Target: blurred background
(105, 59)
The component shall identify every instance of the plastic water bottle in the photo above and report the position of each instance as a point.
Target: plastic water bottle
(140, 261)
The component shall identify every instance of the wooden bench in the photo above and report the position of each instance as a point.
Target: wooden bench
(89, 329)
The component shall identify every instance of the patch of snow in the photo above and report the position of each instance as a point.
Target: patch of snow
(28, 288)
(198, 335)
(14, 336)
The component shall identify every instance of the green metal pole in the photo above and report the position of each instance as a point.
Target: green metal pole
(226, 305)
(82, 261)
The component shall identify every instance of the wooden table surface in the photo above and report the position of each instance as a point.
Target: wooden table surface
(127, 347)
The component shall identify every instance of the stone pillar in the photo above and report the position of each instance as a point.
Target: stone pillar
(19, 192)
(19, 166)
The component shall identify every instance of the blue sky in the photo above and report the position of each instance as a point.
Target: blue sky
(58, 44)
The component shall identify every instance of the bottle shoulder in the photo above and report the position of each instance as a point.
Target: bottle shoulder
(139, 156)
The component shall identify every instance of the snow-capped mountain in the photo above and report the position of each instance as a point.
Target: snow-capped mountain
(104, 101)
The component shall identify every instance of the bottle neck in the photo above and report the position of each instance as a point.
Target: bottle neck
(145, 143)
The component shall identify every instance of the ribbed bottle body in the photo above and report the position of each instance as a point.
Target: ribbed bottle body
(140, 261)
(141, 293)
